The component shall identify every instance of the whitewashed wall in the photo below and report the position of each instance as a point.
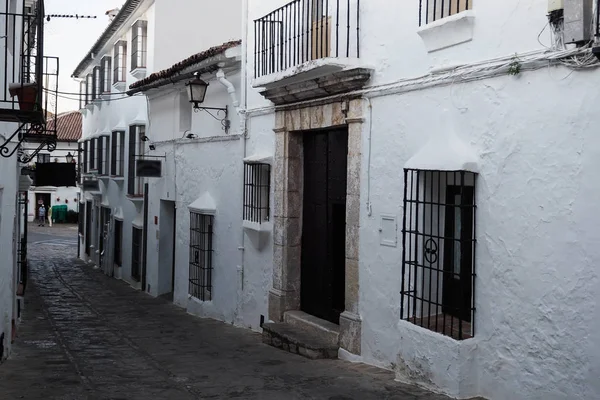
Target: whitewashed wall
(213, 164)
(537, 285)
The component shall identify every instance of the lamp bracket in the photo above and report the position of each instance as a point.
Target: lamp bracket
(224, 120)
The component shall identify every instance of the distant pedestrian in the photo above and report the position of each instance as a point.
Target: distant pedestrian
(42, 215)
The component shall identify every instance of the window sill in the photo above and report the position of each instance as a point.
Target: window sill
(139, 73)
(119, 86)
(136, 198)
(266, 226)
(118, 179)
(449, 31)
(103, 176)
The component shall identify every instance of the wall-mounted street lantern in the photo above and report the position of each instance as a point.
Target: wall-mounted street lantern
(197, 92)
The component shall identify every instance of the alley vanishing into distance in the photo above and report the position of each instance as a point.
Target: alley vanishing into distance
(87, 336)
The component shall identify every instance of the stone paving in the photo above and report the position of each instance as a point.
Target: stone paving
(87, 336)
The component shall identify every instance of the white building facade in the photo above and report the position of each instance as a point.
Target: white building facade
(437, 162)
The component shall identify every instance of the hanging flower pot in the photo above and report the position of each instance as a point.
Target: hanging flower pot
(66, 200)
(58, 199)
(26, 95)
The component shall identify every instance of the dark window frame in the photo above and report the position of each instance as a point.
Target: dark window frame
(97, 81)
(43, 158)
(82, 94)
(438, 251)
(139, 45)
(105, 72)
(117, 162)
(257, 190)
(85, 156)
(120, 62)
(90, 94)
(135, 185)
(93, 154)
(100, 155)
(201, 256)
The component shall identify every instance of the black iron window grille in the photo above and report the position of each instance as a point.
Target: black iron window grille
(43, 158)
(118, 254)
(93, 155)
(135, 185)
(82, 94)
(432, 10)
(201, 254)
(139, 44)
(438, 251)
(97, 81)
(306, 30)
(85, 156)
(120, 62)
(100, 156)
(91, 91)
(105, 70)
(257, 186)
(117, 153)
(136, 254)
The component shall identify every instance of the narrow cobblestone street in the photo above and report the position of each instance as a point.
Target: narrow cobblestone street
(87, 336)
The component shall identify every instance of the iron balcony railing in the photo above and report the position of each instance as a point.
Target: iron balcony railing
(21, 78)
(306, 30)
(432, 10)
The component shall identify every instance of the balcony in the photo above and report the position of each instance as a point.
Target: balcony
(309, 49)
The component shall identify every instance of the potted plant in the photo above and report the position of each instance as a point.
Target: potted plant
(26, 95)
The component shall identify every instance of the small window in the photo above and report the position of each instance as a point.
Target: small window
(438, 269)
(120, 62)
(85, 156)
(433, 10)
(91, 94)
(103, 154)
(97, 81)
(105, 70)
(100, 156)
(136, 254)
(82, 94)
(257, 186)
(93, 155)
(117, 153)
(137, 134)
(43, 158)
(139, 44)
(201, 251)
(118, 256)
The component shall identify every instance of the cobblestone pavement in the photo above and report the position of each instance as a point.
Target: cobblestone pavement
(87, 336)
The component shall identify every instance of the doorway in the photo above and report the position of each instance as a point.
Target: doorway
(324, 224)
(166, 252)
(41, 198)
(104, 246)
(88, 227)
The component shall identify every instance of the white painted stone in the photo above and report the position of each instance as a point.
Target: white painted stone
(449, 31)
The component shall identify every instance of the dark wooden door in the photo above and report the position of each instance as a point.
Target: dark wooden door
(88, 227)
(324, 224)
(458, 252)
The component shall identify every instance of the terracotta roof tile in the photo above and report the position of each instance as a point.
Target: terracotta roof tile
(180, 66)
(68, 126)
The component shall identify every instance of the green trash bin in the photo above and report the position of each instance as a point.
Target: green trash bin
(59, 213)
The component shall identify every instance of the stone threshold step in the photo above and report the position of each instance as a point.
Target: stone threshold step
(298, 341)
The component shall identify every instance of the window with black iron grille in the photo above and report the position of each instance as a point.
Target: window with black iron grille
(201, 252)
(135, 185)
(91, 95)
(139, 44)
(105, 71)
(438, 251)
(432, 10)
(136, 255)
(93, 155)
(305, 30)
(85, 156)
(82, 94)
(117, 153)
(97, 81)
(120, 62)
(106, 150)
(100, 162)
(118, 254)
(43, 158)
(257, 185)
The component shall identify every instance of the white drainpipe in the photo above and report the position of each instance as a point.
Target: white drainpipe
(230, 89)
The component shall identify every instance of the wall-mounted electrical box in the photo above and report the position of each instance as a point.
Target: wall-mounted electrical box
(555, 5)
(578, 20)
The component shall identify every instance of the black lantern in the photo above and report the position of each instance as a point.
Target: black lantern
(69, 157)
(197, 91)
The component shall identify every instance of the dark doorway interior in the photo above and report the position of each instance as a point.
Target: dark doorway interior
(458, 253)
(41, 198)
(88, 227)
(324, 224)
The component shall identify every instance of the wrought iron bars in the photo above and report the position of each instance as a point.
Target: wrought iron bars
(201, 249)
(257, 184)
(306, 30)
(438, 251)
(432, 10)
